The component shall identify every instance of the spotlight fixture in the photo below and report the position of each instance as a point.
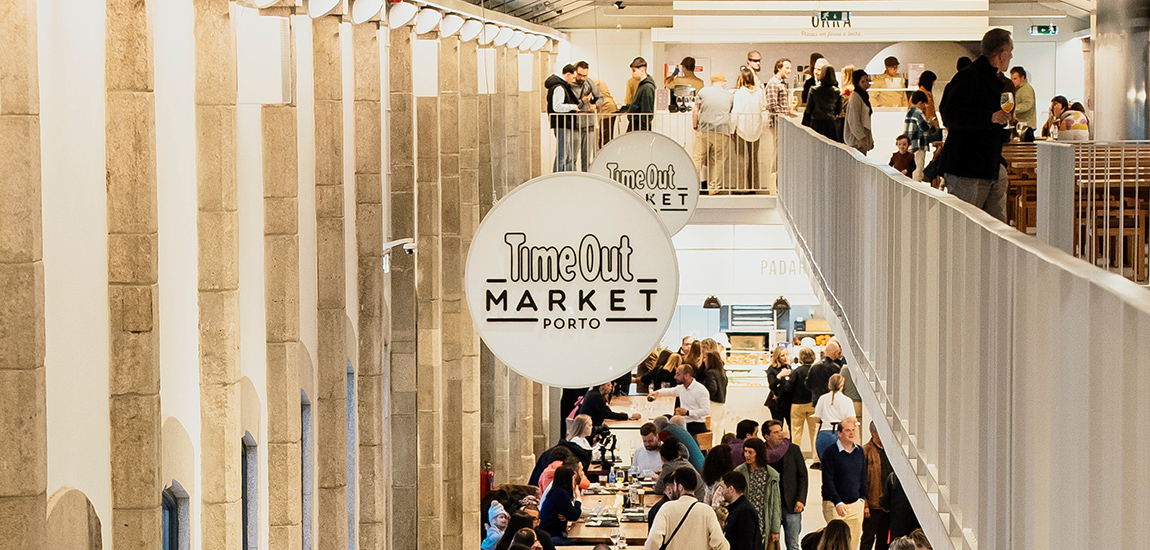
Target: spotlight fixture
(503, 36)
(517, 39)
(489, 32)
(712, 303)
(400, 14)
(619, 4)
(427, 20)
(470, 29)
(363, 11)
(450, 25)
(320, 8)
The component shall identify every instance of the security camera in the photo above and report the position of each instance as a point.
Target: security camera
(387, 246)
(409, 249)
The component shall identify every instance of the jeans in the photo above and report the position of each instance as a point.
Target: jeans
(564, 150)
(792, 528)
(825, 440)
(584, 139)
(988, 195)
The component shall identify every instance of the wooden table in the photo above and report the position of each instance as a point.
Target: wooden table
(579, 533)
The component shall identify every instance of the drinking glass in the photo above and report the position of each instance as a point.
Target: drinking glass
(1007, 102)
(616, 536)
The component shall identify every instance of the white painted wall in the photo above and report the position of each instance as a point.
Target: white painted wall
(176, 200)
(75, 245)
(609, 52)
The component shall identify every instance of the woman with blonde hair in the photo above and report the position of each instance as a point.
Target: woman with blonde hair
(580, 431)
(832, 408)
(694, 355)
(778, 380)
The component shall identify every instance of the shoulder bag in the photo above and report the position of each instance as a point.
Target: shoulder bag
(668, 540)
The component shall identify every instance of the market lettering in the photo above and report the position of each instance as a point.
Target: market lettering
(549, 264)
(557, 300)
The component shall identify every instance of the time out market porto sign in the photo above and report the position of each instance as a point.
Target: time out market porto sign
(657, 169)
(571, 279)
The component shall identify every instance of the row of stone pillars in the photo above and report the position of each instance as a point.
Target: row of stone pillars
(417, 485)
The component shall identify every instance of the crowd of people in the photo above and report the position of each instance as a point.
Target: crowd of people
(749, 491)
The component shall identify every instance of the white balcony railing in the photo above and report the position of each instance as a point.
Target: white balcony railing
(734, 166)
(1013, 379)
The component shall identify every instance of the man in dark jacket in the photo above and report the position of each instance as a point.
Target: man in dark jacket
(792, 480)
(742, 528)
(561, 107)
(595, 405)
(821, 372)
(644, 101)
(971, 109)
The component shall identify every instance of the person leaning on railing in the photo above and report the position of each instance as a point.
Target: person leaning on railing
(747, 111)
(856, 123)
(561, 106)
(712, 123)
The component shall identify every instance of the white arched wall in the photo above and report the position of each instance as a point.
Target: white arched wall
(75, 245)
(173, 44)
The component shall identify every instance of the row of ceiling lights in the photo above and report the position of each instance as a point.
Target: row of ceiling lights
(428, 19)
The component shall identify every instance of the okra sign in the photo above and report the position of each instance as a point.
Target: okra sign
(571, 279)
(657, 169)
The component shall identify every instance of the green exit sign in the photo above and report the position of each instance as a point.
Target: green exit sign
(1043, 30)
(832, 16)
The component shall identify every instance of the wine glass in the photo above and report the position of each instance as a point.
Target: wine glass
(1007, 102)
(616, 536)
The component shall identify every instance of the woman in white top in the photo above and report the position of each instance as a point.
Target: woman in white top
(856, 125)
(747, 110)
(581, 430)
(832, 408)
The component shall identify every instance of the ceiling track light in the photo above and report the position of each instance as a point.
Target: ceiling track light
(400, 14)
(363, 11)
(427, 20)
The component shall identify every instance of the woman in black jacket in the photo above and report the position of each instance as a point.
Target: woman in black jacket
(778, 380)
(825, 104)
(801, 406)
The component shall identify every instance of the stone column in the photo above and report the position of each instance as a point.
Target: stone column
(469, 339)
(23, 417)
(331, 402)
(281, 296)
(490, 445)
(452, 302)
(218, 236)
(404, 458)
(532, 104)
(429, 321)
(369, 243)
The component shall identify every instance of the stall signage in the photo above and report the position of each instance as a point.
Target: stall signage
(833, 19)
(657, 169)
(571, 279)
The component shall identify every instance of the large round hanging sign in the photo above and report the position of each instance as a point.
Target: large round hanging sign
(571, 280)
(657, 169)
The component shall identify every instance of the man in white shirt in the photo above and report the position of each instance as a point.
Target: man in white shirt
(646, 458)
(694, 399)
(684, 523)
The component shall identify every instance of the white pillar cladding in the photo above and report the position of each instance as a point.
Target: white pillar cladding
(1121, 44)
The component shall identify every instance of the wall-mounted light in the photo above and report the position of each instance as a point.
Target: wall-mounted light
(712, 303)
(540, 41)
(503, 36)
(363, 11)
(517, 39)
(427, 20)
(470, 29)
(400, 14)
(450, 25)
(320, 8)
(489, 32)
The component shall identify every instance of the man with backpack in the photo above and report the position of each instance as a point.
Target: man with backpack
(684, 523)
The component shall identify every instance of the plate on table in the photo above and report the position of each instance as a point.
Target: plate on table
(603, 522)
